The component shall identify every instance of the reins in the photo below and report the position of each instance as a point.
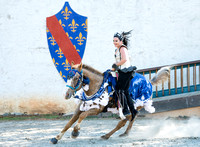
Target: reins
(101, 90)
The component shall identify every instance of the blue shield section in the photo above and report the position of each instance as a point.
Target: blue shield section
(75, 27)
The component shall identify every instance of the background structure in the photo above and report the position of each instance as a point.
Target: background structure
(164, 32)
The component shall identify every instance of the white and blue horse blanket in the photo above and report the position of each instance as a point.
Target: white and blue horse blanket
(140, 91)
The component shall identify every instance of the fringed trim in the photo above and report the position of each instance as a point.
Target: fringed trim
(87, 105)
(147, 104)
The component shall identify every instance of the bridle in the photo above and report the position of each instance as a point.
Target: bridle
(80, 80)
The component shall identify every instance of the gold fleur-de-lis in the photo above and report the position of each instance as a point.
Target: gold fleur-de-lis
(62, 75)
(60, 22)
(73, 26)
(66, 65)
(52, 40)
(55, 63)
(66, 13)
(69, 36)
(85, 25)
(80, 38)
(59, 52)
(76, 49)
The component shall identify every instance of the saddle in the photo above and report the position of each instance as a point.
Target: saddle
(113, 80)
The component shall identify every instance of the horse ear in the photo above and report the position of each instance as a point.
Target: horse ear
(77, 66)
(72, 64)
(81, 66)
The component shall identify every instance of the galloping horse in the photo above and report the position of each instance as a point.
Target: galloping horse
(96, 106)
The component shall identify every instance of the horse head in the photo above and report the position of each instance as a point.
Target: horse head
(75, 81)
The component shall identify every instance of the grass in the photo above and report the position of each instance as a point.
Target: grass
(33, 117)
(61, 117)
(48, 117)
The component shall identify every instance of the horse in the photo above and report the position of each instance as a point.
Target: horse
(96, 79)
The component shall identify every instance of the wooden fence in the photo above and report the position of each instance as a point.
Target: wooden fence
(184, 78)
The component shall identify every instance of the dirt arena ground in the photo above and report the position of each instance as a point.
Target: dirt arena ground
(145, 132)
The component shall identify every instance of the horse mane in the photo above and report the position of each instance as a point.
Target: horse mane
(91, 69)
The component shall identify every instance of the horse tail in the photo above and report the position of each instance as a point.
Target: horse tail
(161, 75)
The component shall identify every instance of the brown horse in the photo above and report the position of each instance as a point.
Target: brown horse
(96, 79)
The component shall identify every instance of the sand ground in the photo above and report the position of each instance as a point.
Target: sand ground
(145, 132)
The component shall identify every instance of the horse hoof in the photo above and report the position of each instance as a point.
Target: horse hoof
(104, 137)
(54, 140)
(75, 134)
(123, 135)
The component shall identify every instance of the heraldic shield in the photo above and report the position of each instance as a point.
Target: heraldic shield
(66, 36)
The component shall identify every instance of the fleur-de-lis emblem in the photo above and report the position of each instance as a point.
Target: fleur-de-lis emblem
(76, 49)
(59, 52)
(73, 26)
(55, 63)
(69, 36)
(80, 38)
(66, 65)
(62, 75)
(66, 13)
(60, 22)
(85, 25)
(52, 40)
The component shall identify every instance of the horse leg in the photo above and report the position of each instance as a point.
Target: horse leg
(119, 126)
(129, 127)
(82, 116)
(67, 126)
(130, 124)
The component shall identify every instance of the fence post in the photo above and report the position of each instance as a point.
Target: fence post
(175, 80)
(169, 87)
(182, 78)
(188, 77)
(194, 77)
